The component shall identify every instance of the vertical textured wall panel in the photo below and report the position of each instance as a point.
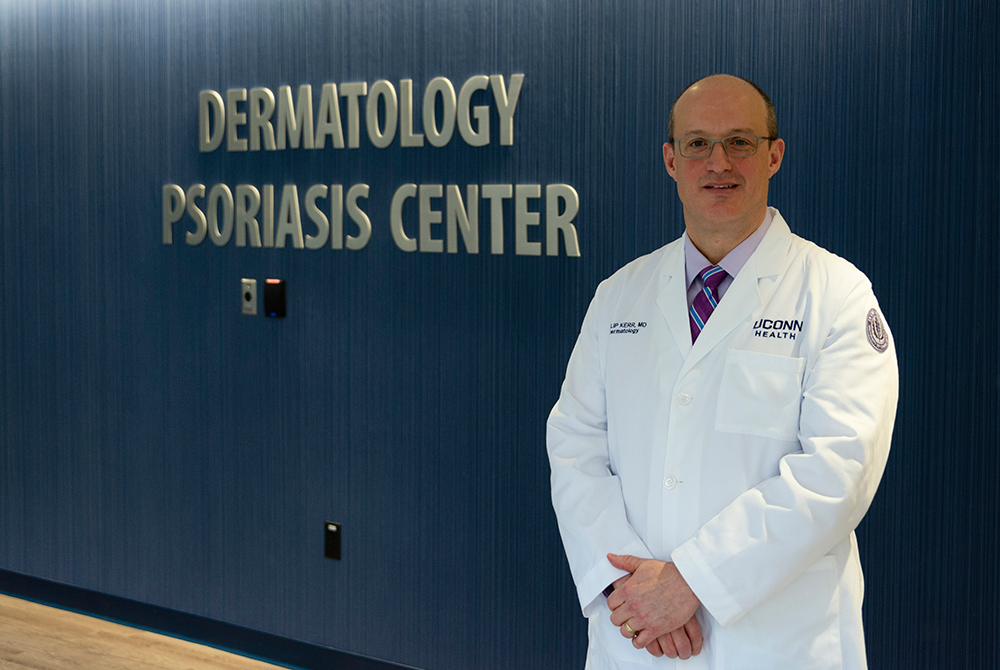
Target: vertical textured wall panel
(157, 445)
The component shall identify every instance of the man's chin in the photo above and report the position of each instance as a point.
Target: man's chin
(726, 215)
(724, 210)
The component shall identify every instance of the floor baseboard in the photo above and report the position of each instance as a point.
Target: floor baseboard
(255, 644)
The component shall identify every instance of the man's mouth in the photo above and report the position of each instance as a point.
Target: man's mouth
(721, 186)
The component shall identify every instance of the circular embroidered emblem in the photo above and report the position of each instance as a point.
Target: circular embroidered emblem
(877, 335)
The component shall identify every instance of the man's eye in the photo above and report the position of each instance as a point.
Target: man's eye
(740, 142)
(697, 143)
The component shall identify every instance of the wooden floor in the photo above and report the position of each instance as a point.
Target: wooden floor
(45, 638)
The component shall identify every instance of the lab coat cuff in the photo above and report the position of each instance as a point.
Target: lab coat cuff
(591, 588)
(710, 590)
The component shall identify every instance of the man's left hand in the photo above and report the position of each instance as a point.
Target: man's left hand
(654, 600)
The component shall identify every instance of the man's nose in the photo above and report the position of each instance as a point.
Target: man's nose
(718, 159)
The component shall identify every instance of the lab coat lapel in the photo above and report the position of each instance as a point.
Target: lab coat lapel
(749, 290)
(672, 299)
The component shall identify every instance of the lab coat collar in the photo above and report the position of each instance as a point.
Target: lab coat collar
(750, 288)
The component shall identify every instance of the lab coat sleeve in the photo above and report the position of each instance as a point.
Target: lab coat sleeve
(772, 533)
(586, 494)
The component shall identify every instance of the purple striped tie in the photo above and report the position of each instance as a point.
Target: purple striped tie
(706, 299)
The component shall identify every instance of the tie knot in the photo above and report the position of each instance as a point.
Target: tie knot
(712, 276)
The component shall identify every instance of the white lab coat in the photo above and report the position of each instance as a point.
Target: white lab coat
(747, 459)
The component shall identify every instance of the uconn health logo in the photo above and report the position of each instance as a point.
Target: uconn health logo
(777, 328)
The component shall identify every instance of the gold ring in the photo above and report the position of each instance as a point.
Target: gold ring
(629, 629)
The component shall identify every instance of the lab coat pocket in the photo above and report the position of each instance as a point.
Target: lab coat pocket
(760, 395)
(607, 640)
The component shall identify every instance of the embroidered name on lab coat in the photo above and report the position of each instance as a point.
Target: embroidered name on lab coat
(777, 328)
(627, 327)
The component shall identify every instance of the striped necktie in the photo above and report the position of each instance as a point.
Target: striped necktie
(706, 299)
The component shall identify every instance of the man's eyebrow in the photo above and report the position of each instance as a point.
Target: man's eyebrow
(732, 131)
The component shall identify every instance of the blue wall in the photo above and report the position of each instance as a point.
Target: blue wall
(157, 445)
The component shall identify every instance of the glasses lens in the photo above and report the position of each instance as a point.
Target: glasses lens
(737, 146)
(741, 145)
(694, 147)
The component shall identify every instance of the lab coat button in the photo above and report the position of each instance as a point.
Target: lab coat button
(684, 398)
(669, 482)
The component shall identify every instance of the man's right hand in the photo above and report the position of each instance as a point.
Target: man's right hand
(684, 642)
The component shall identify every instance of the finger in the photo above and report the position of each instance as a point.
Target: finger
(682, 643)
(620, 615)
(655, 649)
(626, 562)
(693, 629)
(643, 639)
(626, 632)
(616, 600)
(667, 645)
(616, 597)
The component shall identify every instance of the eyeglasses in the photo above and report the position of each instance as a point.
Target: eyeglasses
(736, 146)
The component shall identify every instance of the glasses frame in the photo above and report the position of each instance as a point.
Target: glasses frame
(712, 144)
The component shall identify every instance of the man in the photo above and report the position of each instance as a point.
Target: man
(724, 423)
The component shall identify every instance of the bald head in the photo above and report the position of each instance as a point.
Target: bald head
(729, 83)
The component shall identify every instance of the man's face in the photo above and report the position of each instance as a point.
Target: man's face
(722, 194)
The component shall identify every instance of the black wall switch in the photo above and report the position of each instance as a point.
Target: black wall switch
(331, 540)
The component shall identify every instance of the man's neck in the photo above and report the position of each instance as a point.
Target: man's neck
(716, 240)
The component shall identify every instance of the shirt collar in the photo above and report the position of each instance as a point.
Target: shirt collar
(695, 261)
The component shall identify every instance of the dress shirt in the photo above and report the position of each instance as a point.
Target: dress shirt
(695, 261)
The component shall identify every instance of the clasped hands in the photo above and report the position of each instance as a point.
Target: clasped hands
(658, 606)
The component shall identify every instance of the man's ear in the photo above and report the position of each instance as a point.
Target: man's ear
(775, 156)
(668, 159)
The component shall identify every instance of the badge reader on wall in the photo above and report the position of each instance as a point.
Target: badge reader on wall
(274, 298)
